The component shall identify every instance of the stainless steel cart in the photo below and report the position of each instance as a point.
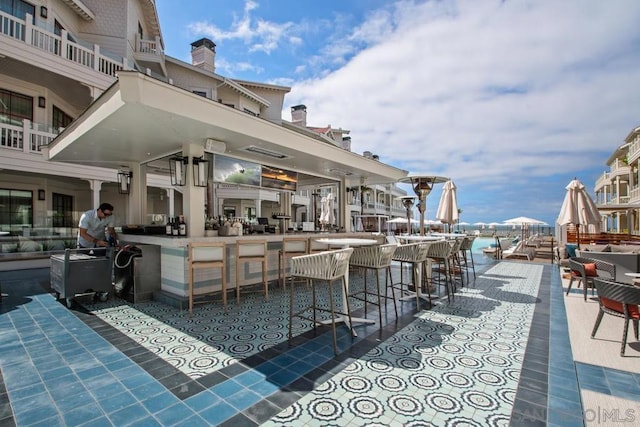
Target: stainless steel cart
(82, 272)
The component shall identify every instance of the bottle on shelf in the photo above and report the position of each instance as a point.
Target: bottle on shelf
(169, 226)
(175, 230)
(182, 226)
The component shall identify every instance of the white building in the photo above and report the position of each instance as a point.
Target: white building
(95, 72)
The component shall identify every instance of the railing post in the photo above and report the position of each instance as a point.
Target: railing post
(63, 45)
(96, 57)
(28, 31)
(26, 135)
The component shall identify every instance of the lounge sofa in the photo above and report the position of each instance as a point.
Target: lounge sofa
(626, 258)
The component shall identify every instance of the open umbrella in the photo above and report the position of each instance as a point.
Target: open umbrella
(524, 222)
(448, 207)
(578, 208)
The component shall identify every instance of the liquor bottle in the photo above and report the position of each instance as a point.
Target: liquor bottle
(175, 230)
(169, 227)
(182, 226)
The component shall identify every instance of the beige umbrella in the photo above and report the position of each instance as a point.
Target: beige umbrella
(578, 208)
(524, 222)
(448, 207)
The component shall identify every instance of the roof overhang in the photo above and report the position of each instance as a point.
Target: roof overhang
(140, 119)
(81, 9)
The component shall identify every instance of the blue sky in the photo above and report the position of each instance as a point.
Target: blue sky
(510, 99)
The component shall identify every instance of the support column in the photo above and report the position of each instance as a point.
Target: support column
(171, 198)
(95, 186)
(194, 198)
(137, 194)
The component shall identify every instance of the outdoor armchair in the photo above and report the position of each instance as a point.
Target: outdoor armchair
(585, 270)
(620, 300)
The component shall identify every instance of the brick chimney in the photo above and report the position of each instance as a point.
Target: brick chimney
(203, 54)
(299, 115)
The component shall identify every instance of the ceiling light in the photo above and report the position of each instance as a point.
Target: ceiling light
(340, 172)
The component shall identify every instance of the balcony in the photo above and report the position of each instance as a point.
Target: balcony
(149, 54)
(88, 57)
(35, 134)
(603, 180)
(619, 168)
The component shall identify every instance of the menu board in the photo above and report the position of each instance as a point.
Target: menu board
(279, 179)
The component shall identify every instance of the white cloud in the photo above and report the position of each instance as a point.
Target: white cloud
(489, 93)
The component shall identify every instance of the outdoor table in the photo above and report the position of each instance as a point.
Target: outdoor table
(412, 238)
(449, 235)
(344, 243)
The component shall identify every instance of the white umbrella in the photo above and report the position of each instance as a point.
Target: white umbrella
(448, 207)
(402, 221)
(578, 208)
(326, 215)
(524, 222)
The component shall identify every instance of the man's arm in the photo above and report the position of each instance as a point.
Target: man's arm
(85, 235)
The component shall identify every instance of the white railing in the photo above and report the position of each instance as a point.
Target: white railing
(13, 137)
(37, 37)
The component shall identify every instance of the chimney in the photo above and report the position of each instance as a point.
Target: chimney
(346, 143)
(203, 54)
(299, 115)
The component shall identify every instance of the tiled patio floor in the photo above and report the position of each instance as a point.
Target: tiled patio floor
(498, 354)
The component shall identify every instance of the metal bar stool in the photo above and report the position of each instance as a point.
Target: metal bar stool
(291, 246)
(251, 251)
(374, 258)
(206, 255)
(328, 267)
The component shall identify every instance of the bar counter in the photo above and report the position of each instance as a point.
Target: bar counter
(174, 267)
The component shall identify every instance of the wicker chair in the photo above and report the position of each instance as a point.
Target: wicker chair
(328, 267)
(620, 300)
(580, 273)
(374, 258)
(440, 254)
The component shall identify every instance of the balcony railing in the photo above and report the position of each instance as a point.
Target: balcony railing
(37, 37)
(14, 137)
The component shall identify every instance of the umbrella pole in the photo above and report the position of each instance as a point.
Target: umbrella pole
(578, 236)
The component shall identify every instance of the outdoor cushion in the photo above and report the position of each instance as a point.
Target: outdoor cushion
(617, 306)
(571, 250)
(590, 269)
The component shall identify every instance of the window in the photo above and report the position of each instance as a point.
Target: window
(201, 93)
(17, 8)
(246, 110)
(16, 209)
(14, 107)
(62, 210)
(140, 32)
(60, 119)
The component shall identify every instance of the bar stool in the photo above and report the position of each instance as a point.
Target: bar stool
(416, 255)
(206, 255)
(374, 258)
(467, 245)
(326, 267)
(440, 253)
(251, 251)
(291, 246)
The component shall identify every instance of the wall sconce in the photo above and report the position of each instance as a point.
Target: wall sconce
(42, 102)
(43, 12)
(124, 181)
(178, 170)
(200, 171)
(42, 195)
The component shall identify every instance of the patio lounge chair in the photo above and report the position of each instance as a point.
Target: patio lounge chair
(521, 250)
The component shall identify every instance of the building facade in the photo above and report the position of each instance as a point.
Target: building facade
(62, 59)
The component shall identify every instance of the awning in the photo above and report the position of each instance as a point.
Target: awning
(140, 119)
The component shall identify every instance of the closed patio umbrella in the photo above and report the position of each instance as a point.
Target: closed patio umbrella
(578, 208)
(448, 208)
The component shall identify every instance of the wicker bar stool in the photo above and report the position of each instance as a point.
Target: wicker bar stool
(440, 254)
(467, 245)
(323, 267)
(416, 255)
(206, 255)
(248, 251)
(375, 258)
(291, 246)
